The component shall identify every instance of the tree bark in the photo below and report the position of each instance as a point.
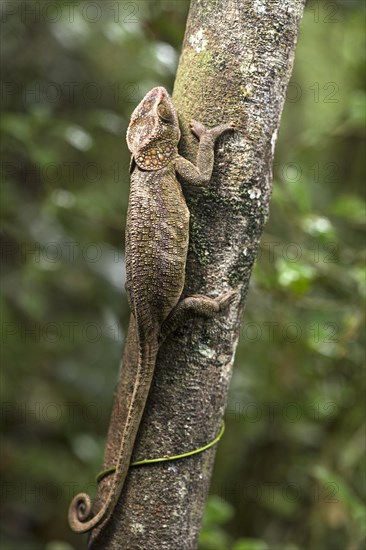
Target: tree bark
(235, 65)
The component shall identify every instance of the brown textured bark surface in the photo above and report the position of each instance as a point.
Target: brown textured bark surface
(235, 65)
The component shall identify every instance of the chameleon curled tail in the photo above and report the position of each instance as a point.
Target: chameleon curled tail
(81, 509)
(80, 515)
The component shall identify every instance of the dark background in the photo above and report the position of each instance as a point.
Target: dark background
(289, 472)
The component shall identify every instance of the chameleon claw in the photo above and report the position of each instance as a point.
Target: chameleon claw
(226, 299)
(221, 128)
(197, 128)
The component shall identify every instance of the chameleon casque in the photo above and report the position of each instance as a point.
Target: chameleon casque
(157, 235)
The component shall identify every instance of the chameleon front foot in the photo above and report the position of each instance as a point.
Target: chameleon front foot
(200, 129)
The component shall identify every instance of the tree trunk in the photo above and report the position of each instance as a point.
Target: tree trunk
(235, 65)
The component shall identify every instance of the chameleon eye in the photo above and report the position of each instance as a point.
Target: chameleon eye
(164, 113)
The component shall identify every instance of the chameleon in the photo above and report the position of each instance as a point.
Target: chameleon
(157, 237)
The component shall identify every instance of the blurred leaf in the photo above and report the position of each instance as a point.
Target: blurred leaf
(298, 275)
(337, 490)
(58, 545)
(250, 544)
(349, 207)
(217, 511)
(357, 108)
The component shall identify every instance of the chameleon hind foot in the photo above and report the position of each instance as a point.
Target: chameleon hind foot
(193, 306)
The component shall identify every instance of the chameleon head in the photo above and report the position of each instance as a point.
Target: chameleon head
(153, 133)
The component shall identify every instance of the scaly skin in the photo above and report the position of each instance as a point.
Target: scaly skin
(157, 235)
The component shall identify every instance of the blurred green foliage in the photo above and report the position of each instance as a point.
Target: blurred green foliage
(289, 471)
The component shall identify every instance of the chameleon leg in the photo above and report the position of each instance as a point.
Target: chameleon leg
(195, 306)
(201, 172)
